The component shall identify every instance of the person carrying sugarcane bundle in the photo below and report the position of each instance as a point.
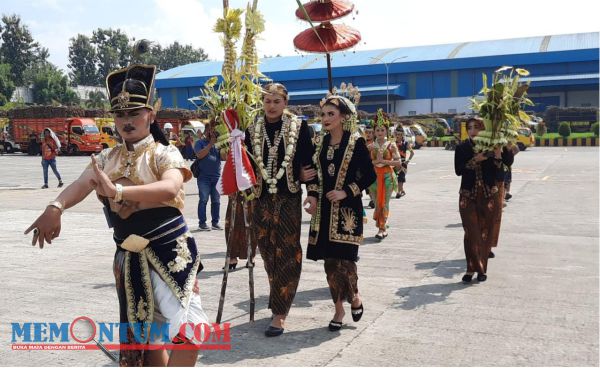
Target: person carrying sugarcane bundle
(502, 173)
(481, 161)
(479, 198)
(140, 182)
(335, 203)
(385, 157)
(281, 146)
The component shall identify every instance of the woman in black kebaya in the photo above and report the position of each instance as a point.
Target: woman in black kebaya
(344, 170)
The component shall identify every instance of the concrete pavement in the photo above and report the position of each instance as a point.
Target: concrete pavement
(538, 307)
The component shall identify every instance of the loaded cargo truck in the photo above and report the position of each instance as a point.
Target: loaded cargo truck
(76, 135)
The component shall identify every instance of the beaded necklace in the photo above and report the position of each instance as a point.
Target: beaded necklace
(288, 133)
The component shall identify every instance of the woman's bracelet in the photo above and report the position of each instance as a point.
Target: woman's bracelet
(119, 195)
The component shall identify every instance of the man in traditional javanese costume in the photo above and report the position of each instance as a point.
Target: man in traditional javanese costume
(141, 184)
(281, 146)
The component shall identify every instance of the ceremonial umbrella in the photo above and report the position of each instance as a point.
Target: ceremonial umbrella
(325, 10)
(325, 37)
(335, 37)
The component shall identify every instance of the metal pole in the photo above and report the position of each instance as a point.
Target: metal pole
(387, 88)
(329, 79)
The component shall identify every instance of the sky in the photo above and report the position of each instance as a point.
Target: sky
(382, 23)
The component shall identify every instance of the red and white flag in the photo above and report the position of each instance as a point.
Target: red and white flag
(237, 174)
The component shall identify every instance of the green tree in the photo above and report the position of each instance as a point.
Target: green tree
(96, 100)
(18, 48)
(7, 86)
(176, 54)
(564, 129)
(82, 62)
(112, 49)
(51, 87)
(40, 55)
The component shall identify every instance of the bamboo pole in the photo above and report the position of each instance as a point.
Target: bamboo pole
(247, 223)
(329, 78)
(226, 270)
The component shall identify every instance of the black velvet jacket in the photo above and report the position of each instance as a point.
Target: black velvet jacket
(337, 229)
(466, 167)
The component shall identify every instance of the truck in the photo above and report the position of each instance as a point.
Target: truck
(525, 138)
(76, 135)
(7, 144)
(108, 138)
(430, 125)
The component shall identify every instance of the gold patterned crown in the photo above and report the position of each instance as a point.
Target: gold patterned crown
(131, 87)
(275, 89)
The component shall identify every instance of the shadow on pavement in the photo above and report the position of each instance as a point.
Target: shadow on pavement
(445, 269)
(303, 299)
(454, 225)
(249, 342)
(215, 255)
(371, 240)
(418, 296)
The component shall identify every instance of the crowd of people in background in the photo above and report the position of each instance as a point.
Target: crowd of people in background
(336, 166)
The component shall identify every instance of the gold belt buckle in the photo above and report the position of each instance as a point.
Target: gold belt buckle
(135, 243)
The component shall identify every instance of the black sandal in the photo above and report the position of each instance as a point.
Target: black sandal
(232, 266)
(467, 278)
(357, 313)
(273, 331)
(335, 326)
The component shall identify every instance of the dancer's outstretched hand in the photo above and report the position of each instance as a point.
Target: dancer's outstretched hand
(46, 227)
(102, 183)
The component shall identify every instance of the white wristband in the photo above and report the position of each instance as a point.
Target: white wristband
(58, 205)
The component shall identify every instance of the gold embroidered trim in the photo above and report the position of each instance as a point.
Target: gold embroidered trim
(184, 256)
(334, 235)
(312, 188)
(315, 221)
(125, 96)
(170, 231)
(348, 220)
(182, 294)
(135, 311)
(355, 189)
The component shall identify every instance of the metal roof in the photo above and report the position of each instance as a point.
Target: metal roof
(528, 45)
(561, 77)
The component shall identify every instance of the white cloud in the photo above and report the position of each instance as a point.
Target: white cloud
(383, 24)
(185, 21)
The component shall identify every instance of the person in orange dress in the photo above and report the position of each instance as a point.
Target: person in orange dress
(385, 157)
